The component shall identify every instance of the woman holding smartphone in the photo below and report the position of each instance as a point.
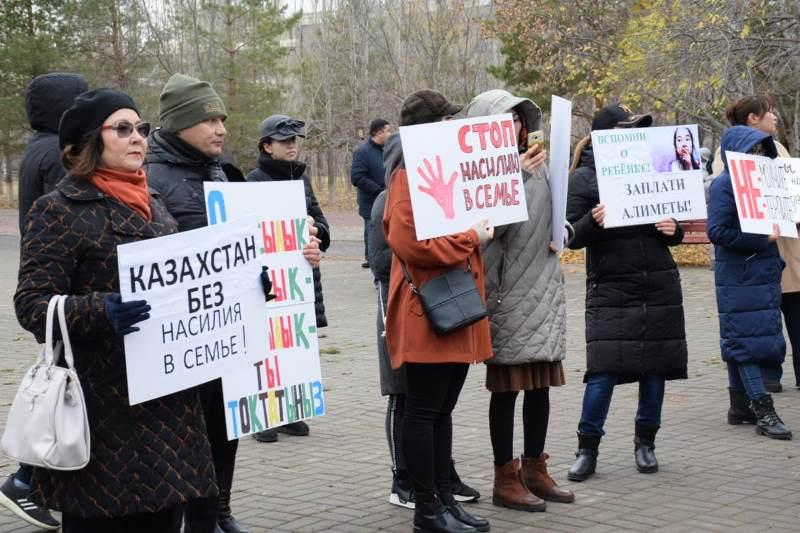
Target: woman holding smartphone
(527, 313)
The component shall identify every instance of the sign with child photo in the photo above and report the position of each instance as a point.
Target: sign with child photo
(645, 175)
(462, 171)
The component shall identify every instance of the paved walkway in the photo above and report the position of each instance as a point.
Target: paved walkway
(713, 477)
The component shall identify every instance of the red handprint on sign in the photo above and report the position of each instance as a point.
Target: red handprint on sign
(440, 191)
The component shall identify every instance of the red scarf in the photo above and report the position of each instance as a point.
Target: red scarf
(130, 188)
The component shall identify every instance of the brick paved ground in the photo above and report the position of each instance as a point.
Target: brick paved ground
(713, 476)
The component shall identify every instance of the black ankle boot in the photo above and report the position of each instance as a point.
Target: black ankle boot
(739, 412)
(644, 446)
(225, 520)
(228, 524)
(462, 492)
(481, 524)
(432, 516)
(769, 423)
(586, 458)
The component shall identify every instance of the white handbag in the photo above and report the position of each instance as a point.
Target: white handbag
(47, 425)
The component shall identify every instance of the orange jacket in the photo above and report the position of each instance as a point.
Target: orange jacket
(408, 333)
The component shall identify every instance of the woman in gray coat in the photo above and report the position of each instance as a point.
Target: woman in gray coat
(526, 305)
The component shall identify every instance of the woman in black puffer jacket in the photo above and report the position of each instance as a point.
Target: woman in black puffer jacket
(278, 147)
(634, 308)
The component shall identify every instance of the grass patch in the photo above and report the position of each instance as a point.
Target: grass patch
(330, 350)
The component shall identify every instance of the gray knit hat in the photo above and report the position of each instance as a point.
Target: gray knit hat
(186, 101)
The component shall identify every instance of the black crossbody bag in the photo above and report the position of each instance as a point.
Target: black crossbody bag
(450, 301)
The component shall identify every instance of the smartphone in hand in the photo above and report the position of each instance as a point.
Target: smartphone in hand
(536, 137)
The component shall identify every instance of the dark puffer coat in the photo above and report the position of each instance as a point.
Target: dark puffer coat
(634, 303)
(177, 171)
(144, 458)
(747, 268)
(268, 170)
(46, 99)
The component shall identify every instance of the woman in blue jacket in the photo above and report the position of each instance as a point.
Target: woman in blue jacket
(747, 275)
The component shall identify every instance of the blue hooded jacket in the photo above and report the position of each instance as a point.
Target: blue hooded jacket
(747, 268)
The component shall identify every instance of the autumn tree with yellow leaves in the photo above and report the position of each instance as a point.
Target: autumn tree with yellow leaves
(683, 60)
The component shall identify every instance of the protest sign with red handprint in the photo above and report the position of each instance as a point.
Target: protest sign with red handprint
(461, 170)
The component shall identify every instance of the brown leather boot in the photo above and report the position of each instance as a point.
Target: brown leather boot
(510, 492)
(536, 479)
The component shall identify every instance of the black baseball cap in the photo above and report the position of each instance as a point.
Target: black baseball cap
(280, 128)
(619, 116)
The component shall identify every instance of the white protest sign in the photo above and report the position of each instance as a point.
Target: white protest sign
(791, 169)
(560, 136)
(765, 191)
(462, 171)
(207, 306)
(284, 383)
(648, 174)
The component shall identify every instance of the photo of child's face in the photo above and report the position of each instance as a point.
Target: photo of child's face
(683, 143)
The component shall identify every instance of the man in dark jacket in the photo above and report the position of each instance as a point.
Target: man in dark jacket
(46, 99)
(278, 148)
(182, 154)
(367, 174)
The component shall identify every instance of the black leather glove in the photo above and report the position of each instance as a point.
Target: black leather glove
(123, 315)
(266, 284)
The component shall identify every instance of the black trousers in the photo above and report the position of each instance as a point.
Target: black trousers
(395, 416)
(790, 305)
(433, 391)
(535, 418)
(201, 514)
(167, 521)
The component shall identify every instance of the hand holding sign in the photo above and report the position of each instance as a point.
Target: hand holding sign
(313, 230)
(668, 226)
(123, 315)
(599, 214)
(440, 191)
(776, 233)
(266, 284)
(485, 232)
(312, 253)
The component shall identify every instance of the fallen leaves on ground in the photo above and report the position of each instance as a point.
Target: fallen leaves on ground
(684, 254)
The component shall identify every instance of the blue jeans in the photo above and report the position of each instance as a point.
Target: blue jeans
(748, 377)
(24, 473)
(597, 400)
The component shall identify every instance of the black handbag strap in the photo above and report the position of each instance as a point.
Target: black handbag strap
(410, 282)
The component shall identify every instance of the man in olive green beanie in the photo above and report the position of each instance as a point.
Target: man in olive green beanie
(182, 155)
(185, 101)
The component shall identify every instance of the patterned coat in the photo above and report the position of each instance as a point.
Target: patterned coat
(144, 458)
